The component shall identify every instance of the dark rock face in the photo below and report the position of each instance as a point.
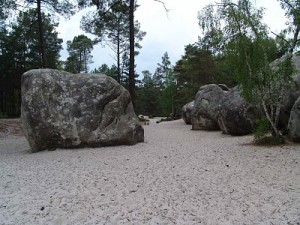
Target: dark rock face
(217, 107)
(294, 122)
(63, 110)
(186, 112)
(206, 107)
(291, 97)
(236, 116)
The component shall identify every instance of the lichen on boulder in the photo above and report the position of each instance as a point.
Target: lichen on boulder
(63, 110)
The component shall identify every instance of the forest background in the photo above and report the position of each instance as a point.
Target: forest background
(163, 93)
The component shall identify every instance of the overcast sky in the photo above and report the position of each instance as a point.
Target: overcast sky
(166, 32)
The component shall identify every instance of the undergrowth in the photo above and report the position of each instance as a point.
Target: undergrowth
(263, 134)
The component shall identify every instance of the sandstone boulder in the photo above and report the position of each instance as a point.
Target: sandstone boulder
(236, 116)
(63, 110)
(186, 112)
(294, 122)
(290, 99)
(206, 107)
(291, 94)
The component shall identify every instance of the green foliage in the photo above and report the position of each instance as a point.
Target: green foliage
(6, 9)
(246, 46)
(289, 36)
(20, 44)
(61, 7)
(263, 135)
(165, 80)
(147, 102)
(270, 140)
(72, 65)
(104, 69)
(19, 52)
(197, 67)
(223, 73)
(25, 36)
(157, 95)
(167, 101)
(64, 8)
(80, 54)
(110, 23)
(212, 38)
(261, 129)
(3, 115)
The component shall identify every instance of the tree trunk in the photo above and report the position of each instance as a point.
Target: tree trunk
(85, 60)
(41, 35)
(81, 64)
(131, 59)
(275, 129)
(118, 58)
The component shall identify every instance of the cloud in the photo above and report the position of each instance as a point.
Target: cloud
(166, 32)
(274, 14)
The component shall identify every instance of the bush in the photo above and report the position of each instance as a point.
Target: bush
(271, 140)
(3, 115)
(263, 134)
(261, 129)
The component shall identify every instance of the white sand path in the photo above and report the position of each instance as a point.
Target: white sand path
(177, 176)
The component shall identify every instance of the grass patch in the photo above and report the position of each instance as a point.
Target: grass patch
(263, 134)
(270, 140)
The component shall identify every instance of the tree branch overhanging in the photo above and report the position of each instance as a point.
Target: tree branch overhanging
(167, 10)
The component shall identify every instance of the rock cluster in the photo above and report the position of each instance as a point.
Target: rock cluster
(217, 107)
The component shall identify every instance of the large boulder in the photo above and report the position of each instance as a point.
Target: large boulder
(63, 110)
(186, 112)
(291, 96)
(236, 116)
(206, 107)
(294, 122)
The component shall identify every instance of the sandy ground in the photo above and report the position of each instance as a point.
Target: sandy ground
(177, 176)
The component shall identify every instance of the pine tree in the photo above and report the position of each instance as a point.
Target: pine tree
(80, 54)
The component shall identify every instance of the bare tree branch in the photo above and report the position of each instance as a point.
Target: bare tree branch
(278, 36)
(167, 10)
(288, 3)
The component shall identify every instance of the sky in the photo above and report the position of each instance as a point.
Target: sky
(166, 32)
